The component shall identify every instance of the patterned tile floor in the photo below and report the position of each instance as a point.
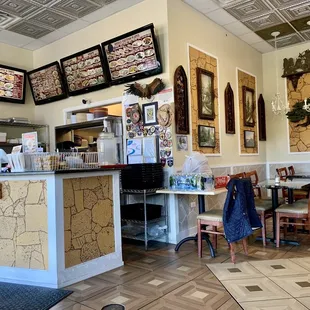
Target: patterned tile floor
(161, 279)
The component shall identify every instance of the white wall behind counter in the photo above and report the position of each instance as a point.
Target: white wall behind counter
(146, 12)
(18, 58)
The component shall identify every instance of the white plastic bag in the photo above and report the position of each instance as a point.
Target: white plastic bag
(196, 163)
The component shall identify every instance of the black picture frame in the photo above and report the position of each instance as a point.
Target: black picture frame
(136, 76)
(249, 138)
(86, 89)
(261, 118)
(248, 107)
(199, 74)
(145, 107)
(61, 96)
(24, 73)
(207, 141)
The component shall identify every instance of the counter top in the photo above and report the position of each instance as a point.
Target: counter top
(58, 171)
(189, 192)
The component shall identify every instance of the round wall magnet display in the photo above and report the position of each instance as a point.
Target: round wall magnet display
(145, 132)
(162, 136)
(135, 115)
(131, 135)
(168, 135)
(165, 142)
(128, 112)
(162, 153)
(128, 127)
(128, 121)
(170, 143)
(168, 152)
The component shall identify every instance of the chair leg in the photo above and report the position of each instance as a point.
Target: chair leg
(263, 221)
(285, 229)
(214, 237)
(199, 238)
(232, 252)
(278, 230)
(245, 246)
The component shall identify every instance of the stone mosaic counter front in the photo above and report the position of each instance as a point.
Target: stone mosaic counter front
(59, 229)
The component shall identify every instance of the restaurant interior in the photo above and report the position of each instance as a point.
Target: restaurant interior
(155, 154)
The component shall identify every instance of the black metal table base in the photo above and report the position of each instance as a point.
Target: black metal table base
(195, 238)
(289, 242)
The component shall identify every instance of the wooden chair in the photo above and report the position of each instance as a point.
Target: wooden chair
(297, 210)
(283, 173)
(263, 206)
(211, 221)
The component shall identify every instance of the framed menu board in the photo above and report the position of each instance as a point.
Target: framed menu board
(12, 84)
(84, 71)
(132, 56)
(47, 84)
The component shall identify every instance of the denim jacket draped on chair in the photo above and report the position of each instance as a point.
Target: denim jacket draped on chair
(239, 214)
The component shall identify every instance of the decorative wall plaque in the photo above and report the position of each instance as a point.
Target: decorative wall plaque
(181, 101)
(294, 69)
(261, 118)
(229, 110)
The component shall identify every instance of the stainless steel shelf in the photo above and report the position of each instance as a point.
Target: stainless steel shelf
(159, 219)
(140, 191)
(25, 125)
(141, 237)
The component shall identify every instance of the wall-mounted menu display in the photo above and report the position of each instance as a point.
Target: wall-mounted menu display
(132, 56)
(47, 84)
(12, 84)
(84, 71)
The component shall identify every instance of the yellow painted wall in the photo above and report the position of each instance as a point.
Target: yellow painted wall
(277, 126)
(189, 26)
(19, 58)
(146, 12)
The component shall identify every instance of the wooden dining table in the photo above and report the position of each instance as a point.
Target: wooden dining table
(290, 185)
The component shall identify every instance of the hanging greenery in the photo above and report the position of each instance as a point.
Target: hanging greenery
(298, 114)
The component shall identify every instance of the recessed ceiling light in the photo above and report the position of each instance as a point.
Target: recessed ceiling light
(308, 22)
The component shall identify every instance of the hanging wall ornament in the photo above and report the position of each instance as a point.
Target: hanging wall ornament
(229, 110)
(147, 90)
(181, 101)
(261, 118)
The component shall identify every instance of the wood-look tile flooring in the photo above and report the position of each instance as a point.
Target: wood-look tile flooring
(162, 279)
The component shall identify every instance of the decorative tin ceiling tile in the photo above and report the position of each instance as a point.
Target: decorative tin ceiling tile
(297, 11)
(76, 8)
(7, 19)
(43, 2)
(281, 4)
(306, 34)
(287, 40)
(103, 2)
(50, 19)
(265, 21)
(27, 29)
(301, 24)
(246, 10)
(225, 3)
(285, 29)
(19, 8)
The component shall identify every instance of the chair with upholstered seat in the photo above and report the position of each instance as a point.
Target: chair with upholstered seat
(297, 210)
(263, 206)
(283, 173)
(212, 219)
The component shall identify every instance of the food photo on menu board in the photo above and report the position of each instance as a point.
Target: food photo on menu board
(132, 56)
(84, 71)
(47, 84)
(12, 84)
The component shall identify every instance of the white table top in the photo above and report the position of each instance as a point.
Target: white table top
(295, 183)
(188, 192)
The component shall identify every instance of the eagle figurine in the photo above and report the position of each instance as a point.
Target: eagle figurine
(146, 91)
